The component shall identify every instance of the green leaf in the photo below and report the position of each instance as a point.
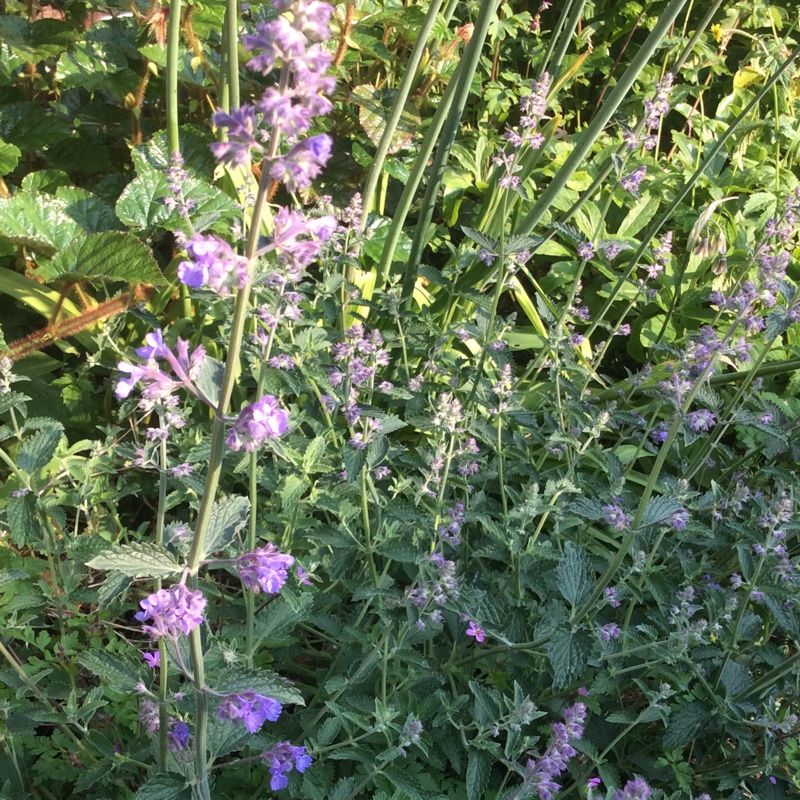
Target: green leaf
(573, 575)
(141, 204)
(9, 157)
(37, 450)
(22, 523)
(343, 789)
(585, 508)
(641, 214)
(375, 107)
(481, 239)
(137, 560)
(479, 770)
(48, 181)
(89, 211)
(36, 41)
(37, 221)
(8, 575)
(327, 733)
(227, 518)
(778, 322)
(111, 256)
(30, 127)
(294, 486)
(568, 657)
(88, 65)
(735, 678)
(238, 679)
(117, 673)
(685, 723)
(164, 787)
(659, 510)
(209, 379)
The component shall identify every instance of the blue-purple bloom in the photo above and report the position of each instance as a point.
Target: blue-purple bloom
(282, 758)
(636, 789)
(174, 611)
(610, 631)
(614, 516)
(304, 162)
(585, 251)
(178, 737)
(256, 423)
(252, 708)
(213, 265)
(265, 569)
(631, 183)
(700, 421)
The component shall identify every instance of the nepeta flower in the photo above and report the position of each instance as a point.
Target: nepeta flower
(614, 515)
(265, 569)
(585, 251)
(631, 183)
(610, 631)
(282, 758)
(303, 163)
(174, 611)
(241, 127)
(213, 265)
(636, 789)
(153, 659)
(700, 421)
(257, 422)
(475, 631)
(253, 709)
(178, 737)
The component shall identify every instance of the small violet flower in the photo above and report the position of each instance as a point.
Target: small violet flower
(265, 569)
(174, 611)
(476, 631)
(252, 708)
(257, 422)
(282, 758)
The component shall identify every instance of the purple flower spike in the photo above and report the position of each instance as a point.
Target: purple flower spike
(264, 570)
(257, 422)
(174, 611)
(636, 789)
(178, 737)
(303, 163)
(282, 758)
(253, 709)
(214, 265)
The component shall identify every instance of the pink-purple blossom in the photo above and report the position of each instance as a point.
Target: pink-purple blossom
(213, 265)
(264, 419)
(476, 631)
(173, 611)
(251, 708)
(265, 569)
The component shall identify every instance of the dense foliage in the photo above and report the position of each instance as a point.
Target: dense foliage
(398, 400)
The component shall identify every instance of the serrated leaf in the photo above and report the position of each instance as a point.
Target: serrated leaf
(778, 322)
(659, 510)
(22, 523)
(37, 450)
(37, 221)
(568, 657)
(113, 588)
(36, 41)
(137, 560)
(621, 717)
(239, 679)
(8, 575)
(112, 256)
(585, 507)
(141, 204)
(117, 673)
(479, 769)
(89, 211)
(88, 65)
(375, 106)
(573, 575)
(227, 518)
(164, 787)
(327, 733)
(294, 486)
(29, 127)
(343, 789)
(735, 678)
(9, 157)
(481, 239)
(684, 724)
(209, 379)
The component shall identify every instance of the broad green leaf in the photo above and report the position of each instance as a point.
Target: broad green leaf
(30, 127)
(685, 722)
(194, 145)
(141, 204)
(343, 789)
(573, 575)
(9, 157)
(238, 679)
(112, 256)
(285, 613)
(585, 507)
(490, 243)
(227, 518)
(22, 523)
(88, 65)
(642, 213)
(164, 787)
(36, 41)
(375, 107)
(37, 450)
(659, 510)
(117, 673)
(293, 488)
(8, 575)
(735, 677)
(479, 769)
(37, 221)
(89, 211)
(138, 560)
(568, 657)
(45, 180)
(209, 379)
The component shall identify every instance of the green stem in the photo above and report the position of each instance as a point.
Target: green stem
(173, 56)
(163, 712)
